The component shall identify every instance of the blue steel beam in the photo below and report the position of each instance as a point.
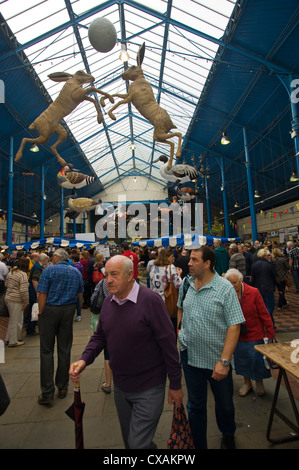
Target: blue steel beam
(155, 14)
(207, 37)
(250, 189)
(164, 46)
(58, 29)
(86, 64)
(123, 41)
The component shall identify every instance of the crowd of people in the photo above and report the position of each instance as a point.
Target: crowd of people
(225, 307)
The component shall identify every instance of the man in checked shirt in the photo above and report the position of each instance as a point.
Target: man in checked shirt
(210, 328)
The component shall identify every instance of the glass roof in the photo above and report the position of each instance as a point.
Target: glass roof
(177, 74)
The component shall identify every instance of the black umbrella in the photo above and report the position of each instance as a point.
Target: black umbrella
(75, 412)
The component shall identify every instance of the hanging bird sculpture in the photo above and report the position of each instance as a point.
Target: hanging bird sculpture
(82, 204)
(71, 179)
(178, 173)
(185, 194)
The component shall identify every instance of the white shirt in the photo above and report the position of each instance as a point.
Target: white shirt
(3, 271)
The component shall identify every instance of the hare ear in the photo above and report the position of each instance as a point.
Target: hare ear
(60, 76)
(140, 55)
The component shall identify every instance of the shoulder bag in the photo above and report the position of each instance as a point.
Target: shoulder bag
(97, 275)
(97, 302)
(171, 294)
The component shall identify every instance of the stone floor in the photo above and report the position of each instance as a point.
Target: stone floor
(28, 425)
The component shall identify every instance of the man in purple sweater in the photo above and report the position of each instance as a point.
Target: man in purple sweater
(136, 329)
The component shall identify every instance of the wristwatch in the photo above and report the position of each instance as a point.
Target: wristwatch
(224, 362)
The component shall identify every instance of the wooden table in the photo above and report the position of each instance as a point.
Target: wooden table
(280, 354)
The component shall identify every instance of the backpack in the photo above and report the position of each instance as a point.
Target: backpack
(97, 302)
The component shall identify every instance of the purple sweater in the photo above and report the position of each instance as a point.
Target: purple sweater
(140, 340)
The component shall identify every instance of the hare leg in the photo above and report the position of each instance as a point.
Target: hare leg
(105, 95)
(124, 101)
(162, 137)
(92, 100)
(179, 149)
(42, 139)
(62, 135)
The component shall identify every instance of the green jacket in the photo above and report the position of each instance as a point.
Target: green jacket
(222, 260)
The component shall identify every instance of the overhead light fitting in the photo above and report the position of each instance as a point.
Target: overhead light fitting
(134, 179)
(34, 148)
(237, 204)
(221, 212)
(224, 139)
(34, 216)
(133, 146)
(294, 176)
(256, 194)
(124, 56)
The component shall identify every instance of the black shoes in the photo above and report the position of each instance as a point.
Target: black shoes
(44, 400)
(62, 393)
(228, 442)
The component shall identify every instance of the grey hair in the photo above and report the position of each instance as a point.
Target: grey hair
(234, 272)
(234, 247)
(42, 257)
(263, 252)
(62, 254)
(127, 262)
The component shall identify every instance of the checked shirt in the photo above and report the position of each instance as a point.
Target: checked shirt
(207, 314)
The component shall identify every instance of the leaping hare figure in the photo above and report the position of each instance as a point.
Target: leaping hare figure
(142, 96)
(71, 95)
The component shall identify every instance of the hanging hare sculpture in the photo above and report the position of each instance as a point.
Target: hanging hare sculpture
(141, 95)
(71, 95)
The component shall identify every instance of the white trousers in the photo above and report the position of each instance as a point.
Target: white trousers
(15, 324)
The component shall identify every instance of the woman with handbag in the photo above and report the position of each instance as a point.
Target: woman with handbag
(16, 299)
(165, 278)
(258, 324)
(97, 274)
(283, 269)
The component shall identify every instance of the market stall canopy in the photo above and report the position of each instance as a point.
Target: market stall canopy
(63, 243)
(187, 240)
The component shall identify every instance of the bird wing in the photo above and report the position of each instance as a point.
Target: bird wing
(185, 170)
(75, 177)
(79, 203)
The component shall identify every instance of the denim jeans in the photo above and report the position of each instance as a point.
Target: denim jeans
(196, 381)
(269, 300)
(295, 276)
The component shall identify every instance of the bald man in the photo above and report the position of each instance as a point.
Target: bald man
(135, 327)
